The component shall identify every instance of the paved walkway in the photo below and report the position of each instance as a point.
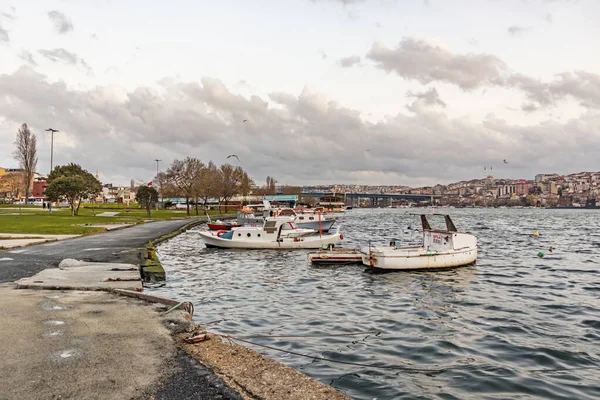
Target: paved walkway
(114, 246)
(94, 345)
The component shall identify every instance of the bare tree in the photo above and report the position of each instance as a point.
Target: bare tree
(183, 174)
(26, 154)
(208, 183)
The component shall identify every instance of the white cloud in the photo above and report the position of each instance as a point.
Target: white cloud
(306, 138)
(427, 62)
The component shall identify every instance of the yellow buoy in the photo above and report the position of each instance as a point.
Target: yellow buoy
(536, 233)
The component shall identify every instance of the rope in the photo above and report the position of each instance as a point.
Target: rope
(186, 305)
(385, 367)
(376, 333)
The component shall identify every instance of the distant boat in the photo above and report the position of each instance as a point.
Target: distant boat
(332, 203)
(276, 233)
(441, 248)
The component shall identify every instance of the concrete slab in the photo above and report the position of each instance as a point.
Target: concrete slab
(108, 227)
(107, 214)
(12, 240)
(78, 275)
(80, 345)
(35, 236)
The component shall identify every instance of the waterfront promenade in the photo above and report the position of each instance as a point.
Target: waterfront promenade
(96, 344)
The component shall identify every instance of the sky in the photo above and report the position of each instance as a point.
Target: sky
(378, 92)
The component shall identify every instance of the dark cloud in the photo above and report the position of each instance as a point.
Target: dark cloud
(4, 38)
(429, 97)
(60, 55)
(62, 24)
(517, 30)
(579, 85)
(27, 57)
(66, 57)
(426, 62)
(350, 61)
(303, 138)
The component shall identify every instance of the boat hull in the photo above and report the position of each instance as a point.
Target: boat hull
(305, 242)
(221, 227)
(387, 260)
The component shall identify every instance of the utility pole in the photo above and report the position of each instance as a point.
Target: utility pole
(51, 159)
(157, 161)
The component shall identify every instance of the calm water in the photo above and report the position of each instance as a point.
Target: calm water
(512, 326)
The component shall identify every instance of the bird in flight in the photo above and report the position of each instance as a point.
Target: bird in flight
(245, 120)
(505, 162)
(233, 155)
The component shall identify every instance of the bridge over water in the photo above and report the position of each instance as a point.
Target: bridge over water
(414, 197)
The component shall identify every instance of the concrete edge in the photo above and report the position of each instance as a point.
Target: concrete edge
(259, 378)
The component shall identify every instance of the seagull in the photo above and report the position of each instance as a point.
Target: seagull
(233, 155)
(245, 120)
(505, 162)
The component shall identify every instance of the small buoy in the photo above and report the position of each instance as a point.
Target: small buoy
(536, 233)
(540, 254)
(550, 249)
(409, 227)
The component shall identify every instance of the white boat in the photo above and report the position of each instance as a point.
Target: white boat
(275, 233)
(441, 248)
(308, 219)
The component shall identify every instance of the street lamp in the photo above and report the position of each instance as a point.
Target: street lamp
(51, 158)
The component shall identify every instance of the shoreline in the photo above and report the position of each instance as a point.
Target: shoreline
(92, 292)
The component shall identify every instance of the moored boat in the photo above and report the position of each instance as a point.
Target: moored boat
(221, 225)
(441, 248)
(275, 233)
(309, 220)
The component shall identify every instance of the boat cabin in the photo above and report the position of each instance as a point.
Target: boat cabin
(437, 238)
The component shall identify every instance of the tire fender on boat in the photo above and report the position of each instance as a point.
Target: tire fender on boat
(221, 232)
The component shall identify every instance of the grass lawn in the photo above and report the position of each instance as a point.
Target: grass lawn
(35, 220)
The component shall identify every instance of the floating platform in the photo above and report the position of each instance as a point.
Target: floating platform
(335, 256)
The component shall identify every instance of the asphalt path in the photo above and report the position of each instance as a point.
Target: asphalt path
(193, 381)
(121, 245)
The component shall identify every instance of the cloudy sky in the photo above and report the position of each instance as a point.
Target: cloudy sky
(333, 91)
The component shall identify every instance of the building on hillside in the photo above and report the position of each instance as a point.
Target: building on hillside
(545, 177)
(522, 187)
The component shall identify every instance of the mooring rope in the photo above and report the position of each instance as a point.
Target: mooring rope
(385, 367)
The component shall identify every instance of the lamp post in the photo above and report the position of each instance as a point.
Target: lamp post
(51, 159)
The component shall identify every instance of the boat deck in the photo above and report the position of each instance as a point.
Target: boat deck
(335, 256)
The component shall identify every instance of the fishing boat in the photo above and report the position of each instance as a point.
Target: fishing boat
(275, 233)
(308, 219)
(219, 225)
(441, 248)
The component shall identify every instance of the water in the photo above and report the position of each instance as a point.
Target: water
(512, 326)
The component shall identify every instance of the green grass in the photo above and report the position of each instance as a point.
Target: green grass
(33, 220)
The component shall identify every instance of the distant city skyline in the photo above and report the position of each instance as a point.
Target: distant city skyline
(309, 91)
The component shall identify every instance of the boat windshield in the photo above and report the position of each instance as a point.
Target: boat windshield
(288, 226)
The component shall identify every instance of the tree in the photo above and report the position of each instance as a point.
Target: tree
(147, 196)
(271, 185)
(73, 183)
(208, 183)
(229, 182)
(12, 183)
(183, 174)
(26, 154)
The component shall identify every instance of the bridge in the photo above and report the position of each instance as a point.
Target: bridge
(414, 197)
